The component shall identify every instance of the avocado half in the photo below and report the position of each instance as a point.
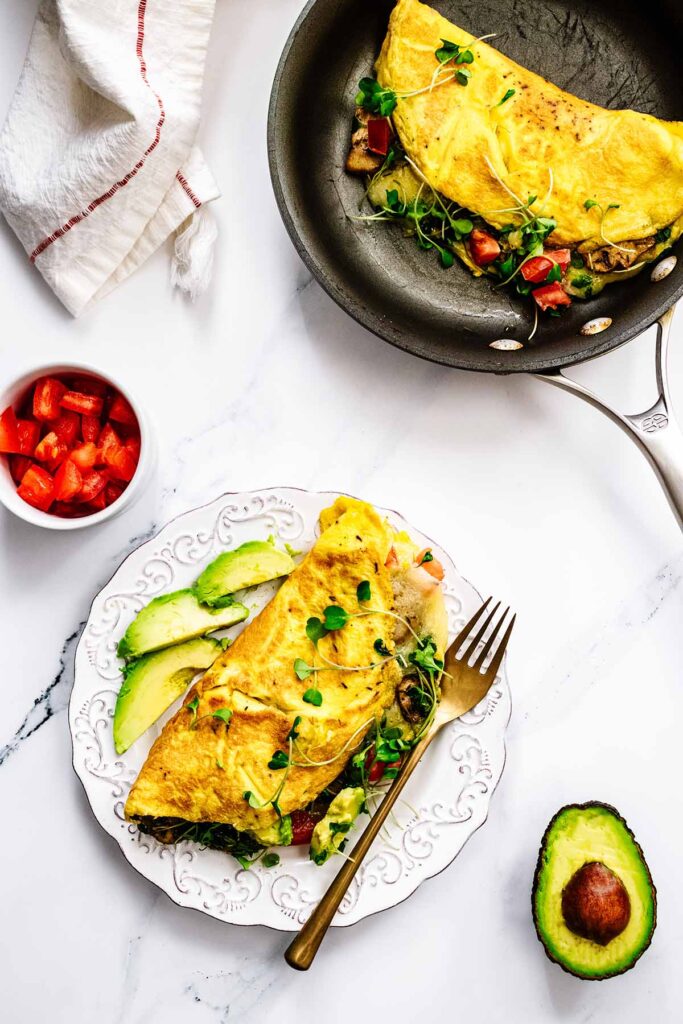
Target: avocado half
(593, 900)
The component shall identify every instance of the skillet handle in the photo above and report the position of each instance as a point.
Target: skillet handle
(655, 431)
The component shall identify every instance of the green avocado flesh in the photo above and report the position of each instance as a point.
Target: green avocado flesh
(331, 832)
(582, 835)
(255, 562)
(175, 618)
(153, 682)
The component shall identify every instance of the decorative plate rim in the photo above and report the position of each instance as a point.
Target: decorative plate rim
(180, 897)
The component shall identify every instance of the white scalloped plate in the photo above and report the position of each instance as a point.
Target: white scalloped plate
(445, 802)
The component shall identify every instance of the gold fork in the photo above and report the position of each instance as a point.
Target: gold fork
(462, 687)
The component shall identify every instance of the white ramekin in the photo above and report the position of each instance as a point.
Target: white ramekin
(8, 489)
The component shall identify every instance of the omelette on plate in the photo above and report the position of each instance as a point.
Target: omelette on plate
(317, 699)
(479, 157)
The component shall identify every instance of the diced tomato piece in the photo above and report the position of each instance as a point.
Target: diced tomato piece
(562, 257)
(376, 769)
(537, 269)
(47, 395)
(550, 296)
(50, 448)
(88, 386)
(66, 427)
(431, 565)
(37, 488)
(483, 247)
(69, 510)
(18, 465)
(90, 428)
(121, 411)
(93, 482)
(303, 823)
(109, 442)
(133, 446)
(86, 405)
(113, 491)
(85, 456)
(98, 502)
(122, 463)
(29, 435)
(392, 558)
(68, 481)
(379, 135)
(9, 435)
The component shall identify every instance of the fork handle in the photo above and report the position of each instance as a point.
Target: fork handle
(301, 952)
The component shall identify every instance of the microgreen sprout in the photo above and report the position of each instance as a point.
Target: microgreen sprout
(507, 96)
(591, 204)
(313, 697)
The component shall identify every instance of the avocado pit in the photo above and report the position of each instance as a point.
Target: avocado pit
(595, 904)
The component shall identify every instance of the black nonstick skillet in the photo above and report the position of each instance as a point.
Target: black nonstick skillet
(618, 53)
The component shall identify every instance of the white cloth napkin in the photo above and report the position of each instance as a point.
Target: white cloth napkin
(98, 164)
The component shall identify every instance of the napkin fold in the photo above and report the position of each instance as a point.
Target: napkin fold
(98, 162)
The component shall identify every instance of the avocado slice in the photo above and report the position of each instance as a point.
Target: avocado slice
(257, 561)
(153, 682)
(593, 900)
(331, 831)
(173, 619)
(277, 834)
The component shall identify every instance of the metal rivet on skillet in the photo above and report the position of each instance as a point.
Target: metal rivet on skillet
(663, 268)
(601, 323)
(506, 344)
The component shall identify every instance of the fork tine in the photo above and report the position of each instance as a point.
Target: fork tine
(475, 640)
(492, 670)
(465, 631)
(489, 643)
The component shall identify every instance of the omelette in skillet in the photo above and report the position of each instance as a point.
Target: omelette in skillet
(482, 159)
(316, 700)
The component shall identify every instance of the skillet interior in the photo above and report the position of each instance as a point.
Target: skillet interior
(618, 53)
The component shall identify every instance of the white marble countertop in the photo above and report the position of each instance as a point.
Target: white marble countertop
(540, 500)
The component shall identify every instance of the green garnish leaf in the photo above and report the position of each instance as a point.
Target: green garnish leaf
(613, 206)
(577, 260)
(663, 235)
(293, 734)
(590, 203)
(447, 52)
(335, 618)
(270, 860)
(225, 714)
(303, 671)
(363, 592)
(251, 799)
(447, 258)
(424, 656)
(315, 630)
(278, 760)
(506, 97)
(376, 100)
(462, 226)
(427, 557)
(555, 274)
(314, 697)
(382, 648)
(462, 76)
(192, 708)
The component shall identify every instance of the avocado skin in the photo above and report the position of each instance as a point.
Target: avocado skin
(589, 805)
